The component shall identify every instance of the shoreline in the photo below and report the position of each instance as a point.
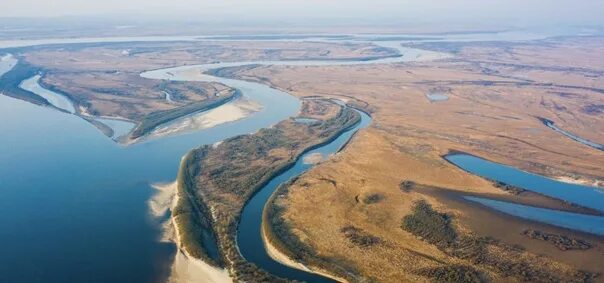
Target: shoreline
(235, 110)
(271, 249)
(580, 181)
(154, 120)
(240, 108)
(284, 259)
(184, 267)
(488, 221)
(351, 122)
(552, 125)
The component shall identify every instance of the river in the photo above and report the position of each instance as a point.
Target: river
(550, 124)
(249, 236)
(586, 196)
(57, 100)
(75, 202)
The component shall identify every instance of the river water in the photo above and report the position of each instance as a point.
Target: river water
(74, 203)
(56, 99)
(451, 37)
(586, 196)
(249, 237)
(575, 221)
(550, 124)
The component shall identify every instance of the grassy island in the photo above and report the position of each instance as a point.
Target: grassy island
(215, 182)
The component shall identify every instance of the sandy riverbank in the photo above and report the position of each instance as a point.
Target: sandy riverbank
(160, 205)
(229, 112)
(282, 258)
(184, 267)
(580, 181)
(313, 158)
(187, 269)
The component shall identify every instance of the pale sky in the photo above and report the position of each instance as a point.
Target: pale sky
(454, 11)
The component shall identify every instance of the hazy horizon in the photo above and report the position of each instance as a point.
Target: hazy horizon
(509, 13)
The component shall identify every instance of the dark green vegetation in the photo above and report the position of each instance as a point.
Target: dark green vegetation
(230, 72)
(373, 198)
(406, 186)
(560, 241)
(505, 260)
(154, 119)
(594, 109)
(508, 188)
(359, 237)
(225, 176)
(191, 216)
(434, 227)
(9, 83)
(452, 274)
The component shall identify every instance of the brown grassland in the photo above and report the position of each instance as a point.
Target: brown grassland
(216, 181)
(495, 91)
(356, 207)
(103, 79)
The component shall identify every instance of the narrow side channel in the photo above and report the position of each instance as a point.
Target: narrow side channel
(586, 196)
(249, 236)
(550, 124)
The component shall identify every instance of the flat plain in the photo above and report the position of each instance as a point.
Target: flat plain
(362, 206)
(496, 92)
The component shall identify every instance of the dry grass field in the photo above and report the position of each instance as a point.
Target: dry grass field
(495, 94)
(490, 115)
(215, 182)
(352, 207)
(127, 95)
(103, 79)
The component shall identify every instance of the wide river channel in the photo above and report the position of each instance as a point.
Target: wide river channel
(74, 203)
(73, 206)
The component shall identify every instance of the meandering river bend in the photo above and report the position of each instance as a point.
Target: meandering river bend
(75, 203)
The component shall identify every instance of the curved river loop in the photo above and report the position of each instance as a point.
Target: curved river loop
(77, 201)
(249, 234)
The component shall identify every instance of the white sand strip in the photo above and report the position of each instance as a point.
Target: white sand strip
(184, 267)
